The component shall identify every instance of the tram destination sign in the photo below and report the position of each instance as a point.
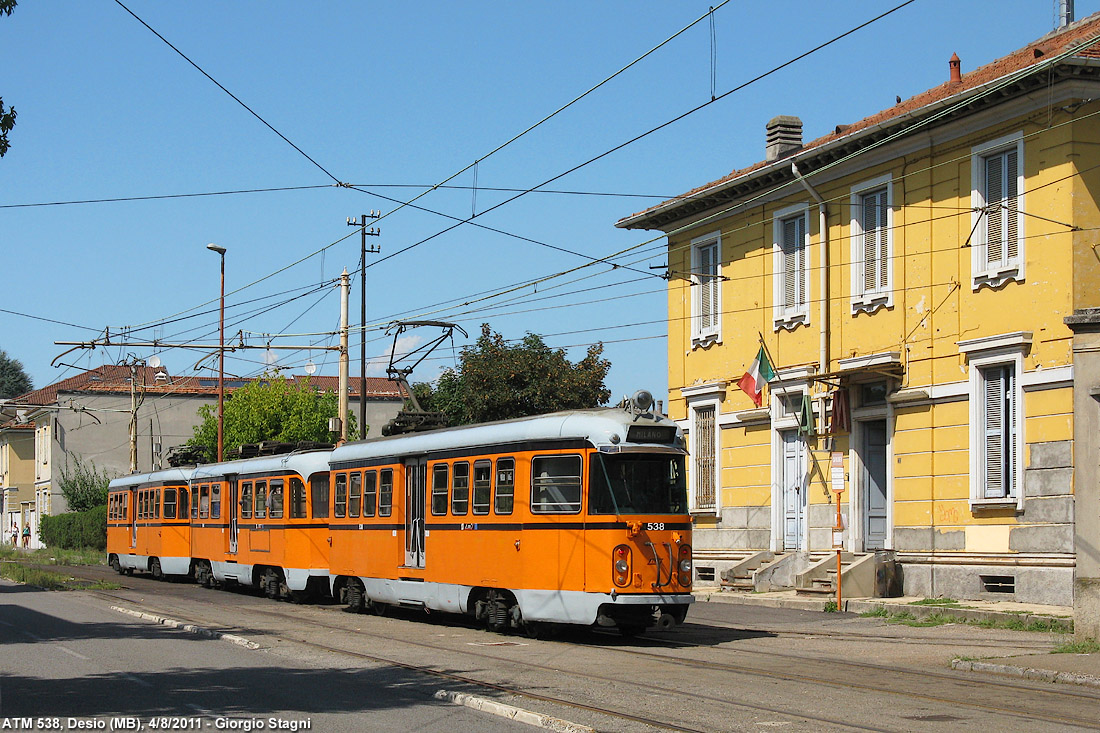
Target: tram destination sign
(651, 434)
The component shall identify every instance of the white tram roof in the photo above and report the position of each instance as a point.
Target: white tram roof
(304, 464)
(165, 476)
(601, 426)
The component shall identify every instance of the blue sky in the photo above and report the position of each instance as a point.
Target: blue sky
(396, 97)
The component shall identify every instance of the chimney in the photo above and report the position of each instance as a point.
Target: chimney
(956, 68)
(1065, 13)
(784, 136)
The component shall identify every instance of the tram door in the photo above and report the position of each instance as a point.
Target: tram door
(133, 517)
(232, 511)
(416, 481)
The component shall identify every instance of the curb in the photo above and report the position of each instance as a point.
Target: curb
(189, 628)
(1027, 673)
(862, 605)
(519, 715)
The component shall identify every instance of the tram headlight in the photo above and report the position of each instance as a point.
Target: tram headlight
(620, 565)
(685, 566)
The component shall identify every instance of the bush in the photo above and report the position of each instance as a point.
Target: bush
(76, 529)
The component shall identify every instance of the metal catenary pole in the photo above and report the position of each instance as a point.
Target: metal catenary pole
(374, 249)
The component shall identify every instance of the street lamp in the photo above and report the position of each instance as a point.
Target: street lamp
(221, 353)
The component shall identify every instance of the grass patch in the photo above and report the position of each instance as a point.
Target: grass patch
(1085, 646)
(935, 602)
(830, 607)
(52, 556)
(908, 618)
(879, 612)
(49, 580)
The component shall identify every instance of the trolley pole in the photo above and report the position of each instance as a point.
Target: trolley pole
(374, 249)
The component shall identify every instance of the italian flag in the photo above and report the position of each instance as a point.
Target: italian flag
(758, 374)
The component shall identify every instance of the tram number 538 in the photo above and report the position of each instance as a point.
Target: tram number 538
(655, 526)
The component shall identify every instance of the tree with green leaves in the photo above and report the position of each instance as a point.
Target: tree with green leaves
(270, 408)
(13, 378)
(83, 485)
(496, 380)
(7, 118)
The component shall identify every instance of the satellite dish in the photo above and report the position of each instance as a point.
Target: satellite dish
(311, 368)
(153, 361)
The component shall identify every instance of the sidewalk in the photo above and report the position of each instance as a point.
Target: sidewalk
(1076, 669)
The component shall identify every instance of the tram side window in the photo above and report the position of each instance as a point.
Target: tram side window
(439, 488)
(156, 504)
(556, 484)
(370, 493)
(195, 503)
(275, 498)
(355, 494)
(318, 490)
(170, 503)
(483, 486)
(204, 501)
(183, 497)
(259, 506)
(297, 498)
(246, 500)
(215, 501)
(460, 489)
(385, 492)
(506, 485)
(340, 498)
(125, 507)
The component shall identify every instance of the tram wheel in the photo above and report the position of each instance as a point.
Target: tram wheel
(204, 576)
(154, 568)
(354, 596)
(378, 609)
(115, 564)
(271, 584)
(496, 617)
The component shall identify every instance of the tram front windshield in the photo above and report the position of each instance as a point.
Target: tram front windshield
(633, 483)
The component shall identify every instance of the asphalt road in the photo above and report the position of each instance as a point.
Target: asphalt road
(69, 656)
(731, 667)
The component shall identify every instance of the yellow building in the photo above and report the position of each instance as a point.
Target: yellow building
(16, 477)
(908, 276)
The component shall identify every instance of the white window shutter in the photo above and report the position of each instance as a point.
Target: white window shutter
(1011, 236)
(790, 263)
(994, 214)
(994, 433)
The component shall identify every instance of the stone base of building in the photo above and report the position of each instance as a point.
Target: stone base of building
(1024, 584)
(1086, 608)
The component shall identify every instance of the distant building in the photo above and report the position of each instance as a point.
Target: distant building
(89, 415)
(909, 276)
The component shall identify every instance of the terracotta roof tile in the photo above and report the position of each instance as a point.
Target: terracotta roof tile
(115, 379)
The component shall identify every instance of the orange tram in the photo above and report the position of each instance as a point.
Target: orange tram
(576, 517)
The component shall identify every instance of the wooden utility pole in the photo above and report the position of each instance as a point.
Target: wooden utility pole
(133, 417)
